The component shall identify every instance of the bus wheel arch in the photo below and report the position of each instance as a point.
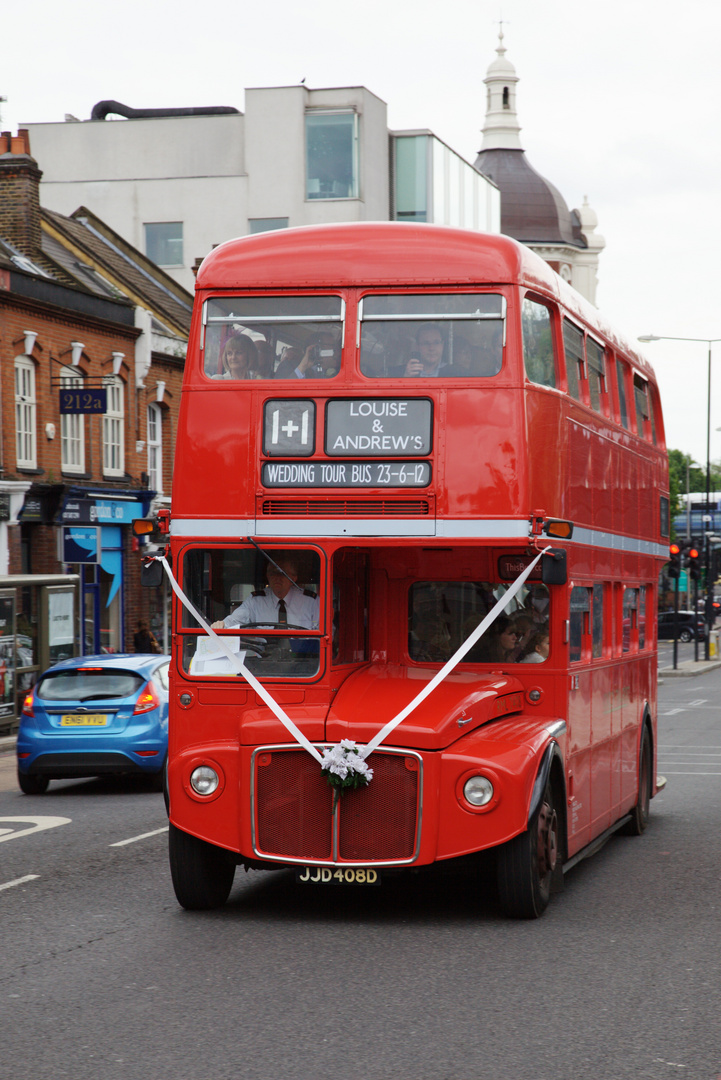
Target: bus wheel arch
(641, 811)
(530, 866)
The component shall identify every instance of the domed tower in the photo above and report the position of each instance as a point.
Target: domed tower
(532, 209)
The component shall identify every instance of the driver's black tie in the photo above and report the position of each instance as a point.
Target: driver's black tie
(282, 613)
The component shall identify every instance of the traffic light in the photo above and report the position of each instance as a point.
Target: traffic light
(694, 563)
(674, 563)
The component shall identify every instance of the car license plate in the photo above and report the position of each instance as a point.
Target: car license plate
(89, 720)
(349, 875)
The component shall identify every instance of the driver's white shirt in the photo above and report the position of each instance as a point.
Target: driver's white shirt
(300, 609)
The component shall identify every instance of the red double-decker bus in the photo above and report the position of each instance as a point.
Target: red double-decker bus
(391, 438)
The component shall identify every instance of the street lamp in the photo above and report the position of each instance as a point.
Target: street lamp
(709, 587)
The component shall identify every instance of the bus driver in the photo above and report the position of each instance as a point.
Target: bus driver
(282, 602)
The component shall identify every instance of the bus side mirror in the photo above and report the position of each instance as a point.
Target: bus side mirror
(553, 567)
(151, 574)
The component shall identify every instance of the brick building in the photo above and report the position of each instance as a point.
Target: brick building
(87, 322)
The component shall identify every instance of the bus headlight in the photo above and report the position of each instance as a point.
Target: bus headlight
(478, 790)
(204, 780)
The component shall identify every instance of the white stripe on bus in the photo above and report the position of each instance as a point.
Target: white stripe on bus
(467, 528)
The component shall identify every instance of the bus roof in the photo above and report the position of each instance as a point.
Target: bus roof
(393, 254)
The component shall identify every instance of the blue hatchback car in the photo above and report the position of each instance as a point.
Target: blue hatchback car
(95, 716)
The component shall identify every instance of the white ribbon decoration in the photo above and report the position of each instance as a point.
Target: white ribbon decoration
(237, 662)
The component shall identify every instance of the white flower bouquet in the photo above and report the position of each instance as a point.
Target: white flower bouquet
(344, 767)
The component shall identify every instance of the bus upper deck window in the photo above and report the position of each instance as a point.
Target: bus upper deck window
(596, 373)
(440, 335)
(538, 343)
(273, 337)
(575, 357)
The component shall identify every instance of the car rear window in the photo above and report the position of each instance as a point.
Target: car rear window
(86, 684)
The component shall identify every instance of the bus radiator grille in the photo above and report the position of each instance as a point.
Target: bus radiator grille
(345, 508)
(294, 804)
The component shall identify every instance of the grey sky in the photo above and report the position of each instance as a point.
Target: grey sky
(618, 100)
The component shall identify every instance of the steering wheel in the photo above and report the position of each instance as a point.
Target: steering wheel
(266, 625)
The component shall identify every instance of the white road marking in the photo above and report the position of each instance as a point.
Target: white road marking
(143, 836)
(19, 881)
(39, 823)
(672, 712)
(697, 703)
(670, 772)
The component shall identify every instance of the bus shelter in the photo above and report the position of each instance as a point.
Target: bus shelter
(39, 626)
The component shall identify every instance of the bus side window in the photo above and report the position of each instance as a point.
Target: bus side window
(642, 617)
(630, 623)
(640, 394)
(598, 595)
(621, 370)
(538, 343)
(580, 630)
(596, 375)
(575, 358)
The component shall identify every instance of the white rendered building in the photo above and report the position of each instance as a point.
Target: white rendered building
(176, 182)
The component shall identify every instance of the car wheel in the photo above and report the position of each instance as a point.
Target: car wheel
(157, 780)
(202, 873)
(685, 635)
(527, 863)
(641, 811)
(31, 784)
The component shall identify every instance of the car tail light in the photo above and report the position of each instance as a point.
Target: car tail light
(148, 700)
(28, 704)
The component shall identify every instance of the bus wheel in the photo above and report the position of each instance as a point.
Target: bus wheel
(202, 873)
(32, 784)
(641, 811)
(526, 864)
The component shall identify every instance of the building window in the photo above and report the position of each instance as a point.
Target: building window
(25, 419)
(331, 154)
(114, 429)
(411, 177)
(267, 224)
(155, 448)
(164, 242)
(72, 429)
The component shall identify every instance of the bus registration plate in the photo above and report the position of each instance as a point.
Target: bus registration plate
(326, 875)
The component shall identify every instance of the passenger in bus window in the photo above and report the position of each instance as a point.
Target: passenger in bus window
(282, 602)
(430, 641)
(497, 644)
(538, 647)
(319, 361)
(428, 363)
(262, 368)
(239, 356)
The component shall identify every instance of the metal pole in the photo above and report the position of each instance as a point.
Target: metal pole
(707, 546)
(675, 624)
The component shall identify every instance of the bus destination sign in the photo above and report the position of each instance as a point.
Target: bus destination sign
(345, 474)
(374, 427)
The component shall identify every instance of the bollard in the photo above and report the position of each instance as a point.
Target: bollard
(713, 644)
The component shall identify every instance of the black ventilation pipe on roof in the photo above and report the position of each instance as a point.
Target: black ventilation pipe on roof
(104, 108)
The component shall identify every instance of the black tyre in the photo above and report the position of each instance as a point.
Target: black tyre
(641, 811)
(685, 635)
(31, 784)
(202, 873)
(527, 863)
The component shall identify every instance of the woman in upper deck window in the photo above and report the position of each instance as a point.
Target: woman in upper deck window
(239, 356)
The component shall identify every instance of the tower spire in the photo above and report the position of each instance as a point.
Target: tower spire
(501, 129)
